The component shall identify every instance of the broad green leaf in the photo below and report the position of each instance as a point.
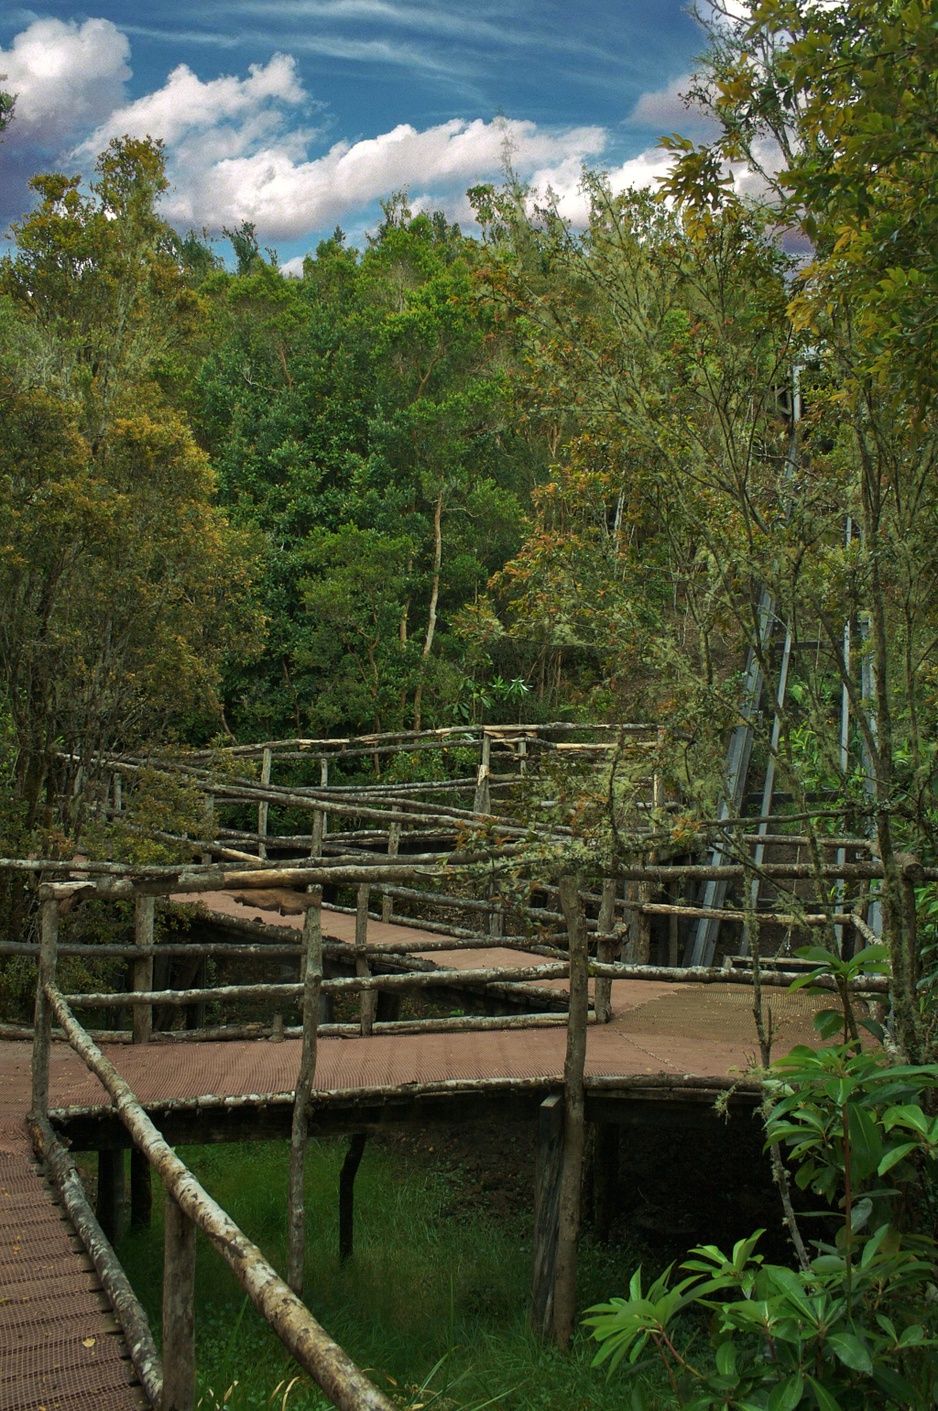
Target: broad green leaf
(816, 953)
(726, 1359)
(860, 1214)
(906, 1115)
(893, 1157)
(828, 1022)
(787, 1282)
(825, 1401)
(787, 1395)
(866, 1142)
(852, 1352)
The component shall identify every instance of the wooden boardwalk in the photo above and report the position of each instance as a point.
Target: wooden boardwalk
(60, 1348)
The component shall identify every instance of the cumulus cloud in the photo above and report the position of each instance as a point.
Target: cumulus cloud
(185, 107)
(286, 197)
(244, 147)
(66, 77)
(562, 184)
(667, 110)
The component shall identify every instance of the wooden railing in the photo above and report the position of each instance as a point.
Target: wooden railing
(170, 1384)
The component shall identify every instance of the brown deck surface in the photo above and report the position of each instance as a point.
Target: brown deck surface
(58, 1341)
(59, 1345)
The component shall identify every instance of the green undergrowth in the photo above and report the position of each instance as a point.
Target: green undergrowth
(433, 1303)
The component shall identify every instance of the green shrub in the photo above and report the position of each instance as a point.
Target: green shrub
(850, 1327)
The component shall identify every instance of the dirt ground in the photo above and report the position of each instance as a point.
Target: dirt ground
(675, 1185)
(489, 1168)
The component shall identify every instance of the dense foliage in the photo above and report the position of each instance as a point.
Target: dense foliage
(853, 1321)
(547, 471)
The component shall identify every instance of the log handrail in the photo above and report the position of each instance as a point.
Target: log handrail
(338, 1376)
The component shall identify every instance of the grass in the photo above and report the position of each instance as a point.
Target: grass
(433, 1304)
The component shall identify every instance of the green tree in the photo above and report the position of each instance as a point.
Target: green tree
(121, 587)
(362, 404)
(101, 283)
(840, 97)
(7, 106)
(661, 351)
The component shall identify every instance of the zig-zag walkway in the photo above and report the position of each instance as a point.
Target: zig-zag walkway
(60, 1345)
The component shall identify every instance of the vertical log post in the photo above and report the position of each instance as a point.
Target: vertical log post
(324, 784)
(42, 1018)
(315, 842)
(496, 916)
(141, 1195)
(568, 1221)
(349, 1171)
(483, 795)
(302, 1099)
(606, 950)
(144, 913)
(362, 968)
(109, 1203)
(205, 857)
(141, 1190)
(178, 1310)
(546, 1213)
(394, 843)
(658, 795)
(640, 923)
(674, 934)
(118, 786)
(605, 1178)
(263, 808)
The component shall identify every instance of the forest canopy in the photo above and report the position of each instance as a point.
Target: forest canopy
(540, 471)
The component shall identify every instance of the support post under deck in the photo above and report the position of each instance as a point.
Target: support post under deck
(353, 1157)
(546, 1212)
(178, 1310)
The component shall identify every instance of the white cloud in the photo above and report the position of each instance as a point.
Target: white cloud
(225, 173)
(563, 182)
(242, 147)
(289, 198)
(185, 105)
(67, 77)
(666, 110)
(238, 151)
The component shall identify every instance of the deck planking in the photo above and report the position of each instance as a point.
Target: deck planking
(60, 1346)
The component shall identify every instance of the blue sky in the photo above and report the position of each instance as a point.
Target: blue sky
(300, 114)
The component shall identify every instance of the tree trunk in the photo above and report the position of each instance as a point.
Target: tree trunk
(568, 1228)
(431, 612)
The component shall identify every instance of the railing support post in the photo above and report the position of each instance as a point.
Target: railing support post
(394, 843)
(302, 1098)
(141, 1189)
(209, 823)
(483, 795)
(362, 968)
(263, 808)
(324, 784)
(315, 841)
(144, 913)
(496, 915)
(546, 1213)
(607, 950)
(571, 1175)
(42, 1020)
(109, 1203)
(178, 1310)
